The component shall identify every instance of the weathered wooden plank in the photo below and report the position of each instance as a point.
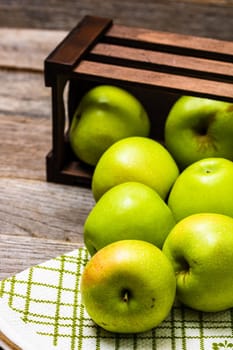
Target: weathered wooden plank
(25, 141)
(161, 59)
(24, 94)
(210, 18)
(177, 41)
(72, 49)
(44, 210)
(26, 49)
(169, 82)
(25, 131)
(19, 253)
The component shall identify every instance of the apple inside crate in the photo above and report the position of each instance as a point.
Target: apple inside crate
(156, 67)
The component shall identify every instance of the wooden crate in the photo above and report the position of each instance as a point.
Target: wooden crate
(157, 67)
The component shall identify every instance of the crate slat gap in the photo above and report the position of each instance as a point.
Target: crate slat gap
(161, 62)
(186, 45)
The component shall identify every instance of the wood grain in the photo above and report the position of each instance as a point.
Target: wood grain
(25, 131)
(25, 141)
(26, 49)
(44, 210)
(169, 82)
(209, 18)
(38, 220)
(174, 61)
(171, 39)
(19, 253)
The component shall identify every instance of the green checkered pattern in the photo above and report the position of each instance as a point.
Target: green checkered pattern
(47, 299)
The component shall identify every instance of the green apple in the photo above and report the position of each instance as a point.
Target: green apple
(130, 210)
(128, 286)
(200, 248)
(105, 114)
(204, 186)
(139, 159)
(198, 128)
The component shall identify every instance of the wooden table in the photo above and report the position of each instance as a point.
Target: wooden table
(38, 220)
(209, 18)
(41, 220)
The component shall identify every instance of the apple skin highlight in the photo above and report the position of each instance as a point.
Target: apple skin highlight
(198, 128)
(105, 115)
(130, 210)
(204, 186)
(128, 287)
(139, 159)
(200, 248)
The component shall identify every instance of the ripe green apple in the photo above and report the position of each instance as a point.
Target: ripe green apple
(139, 159)
(198, 128)
(130, 210)
(204, 186)
(128, 286)
(200, 248)
(105, 114)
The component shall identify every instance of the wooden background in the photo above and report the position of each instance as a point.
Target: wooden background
(40, 220)
(211, 18)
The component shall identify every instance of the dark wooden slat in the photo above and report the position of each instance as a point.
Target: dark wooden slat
(146, 78)
(67, 54)
(73, 173)
(172, 41)
(160, 60)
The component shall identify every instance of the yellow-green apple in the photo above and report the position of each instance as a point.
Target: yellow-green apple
(128, 286)
(204, 186)
(200, 248)
(104, 115)
(130, 210)
(198, 128)
(139, 159)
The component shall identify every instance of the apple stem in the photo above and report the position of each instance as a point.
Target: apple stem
(126, 297)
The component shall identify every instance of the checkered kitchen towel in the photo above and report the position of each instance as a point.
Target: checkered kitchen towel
(40, 308)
